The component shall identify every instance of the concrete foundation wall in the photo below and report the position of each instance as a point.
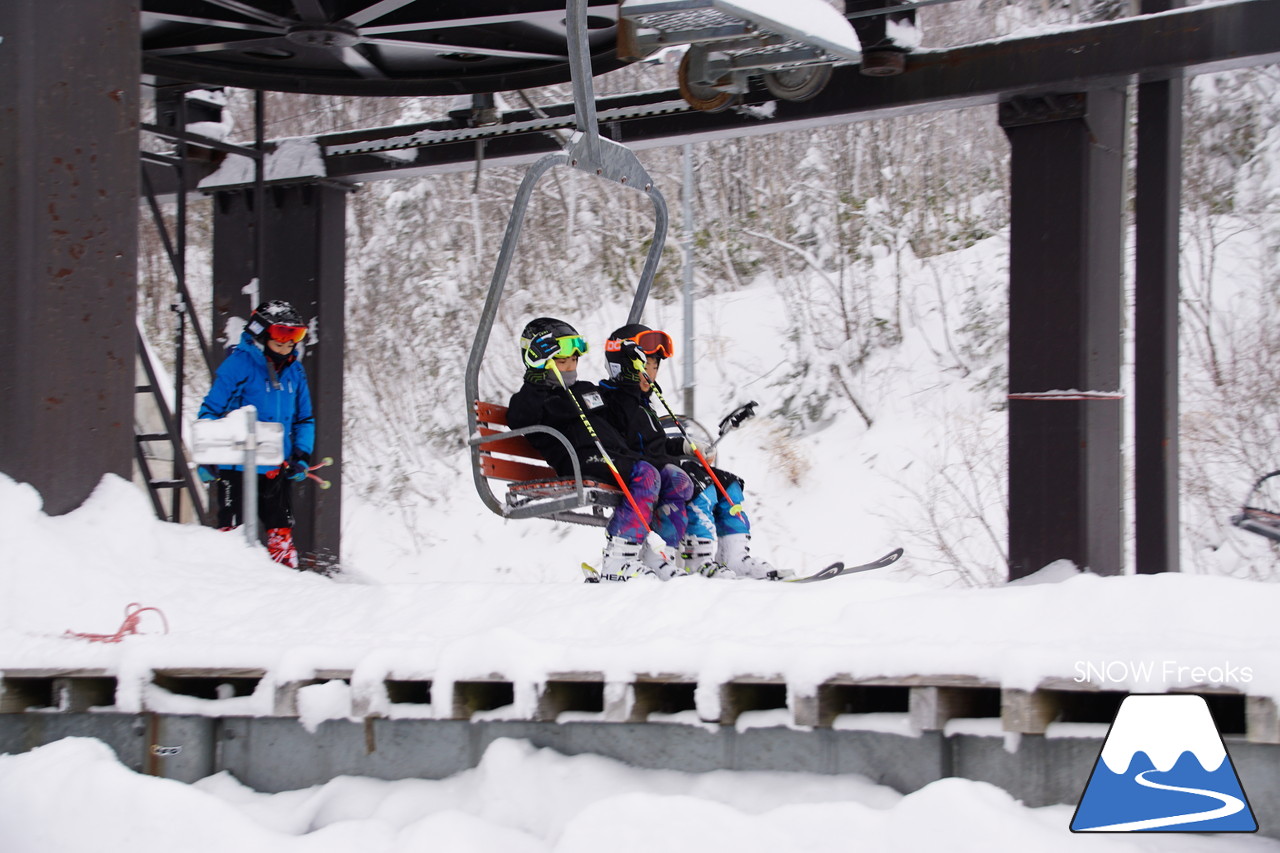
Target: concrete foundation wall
(274, 754)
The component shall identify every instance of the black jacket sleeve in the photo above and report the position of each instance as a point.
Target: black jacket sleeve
(630, 413)
(547, 405)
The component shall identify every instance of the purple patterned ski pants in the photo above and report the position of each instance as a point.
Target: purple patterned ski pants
(661, 496)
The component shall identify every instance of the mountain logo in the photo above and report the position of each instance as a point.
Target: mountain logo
(1163, 768)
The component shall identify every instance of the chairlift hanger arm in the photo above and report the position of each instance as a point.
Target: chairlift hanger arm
(587, 152)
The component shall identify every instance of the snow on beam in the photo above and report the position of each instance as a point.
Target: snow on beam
(916, 704)
(667, 695)
(579, 696)
(69, 692)
(931, 708)
(746, 695)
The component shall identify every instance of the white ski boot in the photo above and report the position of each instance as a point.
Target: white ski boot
(660, 558)
(622, 560)
(734, 554)
(698, 557)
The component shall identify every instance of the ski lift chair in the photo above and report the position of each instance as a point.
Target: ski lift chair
(1256, 519)
(504, 455)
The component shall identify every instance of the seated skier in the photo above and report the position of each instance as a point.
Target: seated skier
(717, 541)
(553, 396)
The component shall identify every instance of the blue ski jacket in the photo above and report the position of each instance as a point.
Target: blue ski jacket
(244, 379)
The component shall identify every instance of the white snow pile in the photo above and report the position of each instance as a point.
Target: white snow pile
(229, 606)
(291, 159)
(74, 796)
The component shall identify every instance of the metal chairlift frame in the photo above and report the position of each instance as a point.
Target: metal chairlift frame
(587, 152)
(1264, 522)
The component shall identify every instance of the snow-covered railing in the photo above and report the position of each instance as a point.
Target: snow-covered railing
(907, 705)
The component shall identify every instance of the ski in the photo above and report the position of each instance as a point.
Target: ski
(593, 575)
(836, 570)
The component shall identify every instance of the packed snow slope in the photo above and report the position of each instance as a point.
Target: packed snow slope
(228, 606)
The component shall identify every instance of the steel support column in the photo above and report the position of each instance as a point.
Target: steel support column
(68, 245)
(303, 253)
(1156, 218)
(1065, 310)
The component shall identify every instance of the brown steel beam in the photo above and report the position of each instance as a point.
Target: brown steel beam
(68, 243)
(1157, 203)
(1065, 309)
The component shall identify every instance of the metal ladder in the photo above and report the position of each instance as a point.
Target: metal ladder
(181, 480)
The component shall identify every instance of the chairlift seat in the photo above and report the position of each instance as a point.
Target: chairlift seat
(1259, 521)
(534, 489)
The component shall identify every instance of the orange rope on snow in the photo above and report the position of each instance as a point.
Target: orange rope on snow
(132, 616)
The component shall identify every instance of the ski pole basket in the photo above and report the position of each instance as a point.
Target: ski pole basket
(1258, 519)
(534, 489)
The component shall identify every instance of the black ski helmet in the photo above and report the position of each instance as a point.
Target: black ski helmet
(621, 361)
(275, 312)
(543, 325)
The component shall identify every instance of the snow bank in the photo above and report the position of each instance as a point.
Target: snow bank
(229, 606)
(526, 800)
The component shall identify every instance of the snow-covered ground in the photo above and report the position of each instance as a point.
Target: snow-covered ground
(74, 796)
(436, 587)
(228, 606)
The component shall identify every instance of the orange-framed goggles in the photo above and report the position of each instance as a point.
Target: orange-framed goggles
(652, 342)
(284, 334)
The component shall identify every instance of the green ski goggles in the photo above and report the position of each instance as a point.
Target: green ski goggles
(571, 345)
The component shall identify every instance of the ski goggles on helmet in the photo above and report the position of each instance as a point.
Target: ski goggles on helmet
(652, 342)
(284, 334)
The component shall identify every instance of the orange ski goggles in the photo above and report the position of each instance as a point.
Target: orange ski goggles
(652, 342)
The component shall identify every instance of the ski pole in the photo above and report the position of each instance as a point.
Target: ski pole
(603, 453)
(320, 481)
(734, 508)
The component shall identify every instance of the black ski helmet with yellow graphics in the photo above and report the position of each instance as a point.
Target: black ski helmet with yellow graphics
(571, 343)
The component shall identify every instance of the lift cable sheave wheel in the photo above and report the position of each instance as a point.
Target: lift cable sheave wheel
(791, 48)
(587, 152)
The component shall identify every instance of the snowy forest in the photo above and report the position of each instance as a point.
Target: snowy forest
(852, 279)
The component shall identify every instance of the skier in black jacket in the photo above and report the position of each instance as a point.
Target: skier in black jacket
(550, 349)
(717, 541)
